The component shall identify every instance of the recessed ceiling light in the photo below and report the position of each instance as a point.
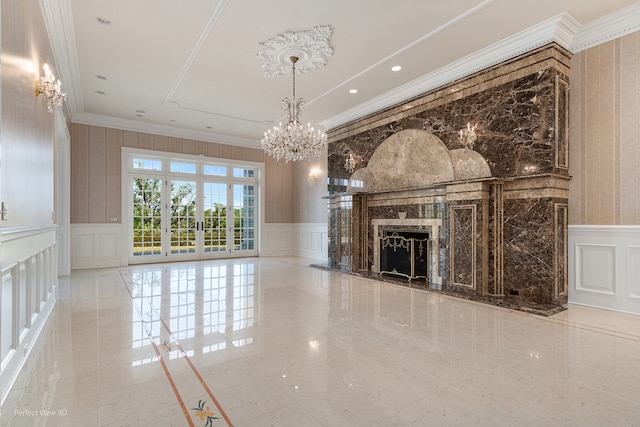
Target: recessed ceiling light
(396, 68)
(353, 90)
(99, 92)
(98, 76)
(104, 21)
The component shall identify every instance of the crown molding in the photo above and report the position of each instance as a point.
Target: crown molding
(559, 29)
(58, 20)
(617, 24)
(131, 125)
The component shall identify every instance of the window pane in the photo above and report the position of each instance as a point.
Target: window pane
(147, 164)
(183, 167)
(215, 170)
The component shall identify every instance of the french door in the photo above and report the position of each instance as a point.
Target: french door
(202, 211)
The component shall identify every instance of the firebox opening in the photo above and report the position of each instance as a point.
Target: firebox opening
(405, 253)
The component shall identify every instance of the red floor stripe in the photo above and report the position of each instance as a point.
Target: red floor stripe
(197, 374)
(164, 366)
(173, 384)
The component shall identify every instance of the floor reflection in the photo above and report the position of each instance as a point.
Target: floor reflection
(185, 310)
(271, 341)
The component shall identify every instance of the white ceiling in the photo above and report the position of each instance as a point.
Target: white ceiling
(190, 65)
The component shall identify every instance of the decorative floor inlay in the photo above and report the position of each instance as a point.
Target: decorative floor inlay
(204, 414)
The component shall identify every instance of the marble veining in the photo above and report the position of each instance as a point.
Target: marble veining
(512, 249)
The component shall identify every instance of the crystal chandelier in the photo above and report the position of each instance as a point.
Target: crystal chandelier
(292, 141)
(51, 89)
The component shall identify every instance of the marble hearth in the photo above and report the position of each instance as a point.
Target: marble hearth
(496, 212)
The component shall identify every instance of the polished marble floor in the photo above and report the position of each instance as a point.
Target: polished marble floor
(272, 341)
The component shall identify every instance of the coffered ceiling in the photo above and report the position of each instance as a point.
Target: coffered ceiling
(189, 68)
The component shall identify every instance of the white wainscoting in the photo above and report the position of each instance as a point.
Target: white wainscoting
(604, 267)
(28, 288)
(96, 246)
(303, 240)
(100, 245)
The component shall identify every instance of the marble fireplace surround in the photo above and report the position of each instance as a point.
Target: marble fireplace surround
(499, 209)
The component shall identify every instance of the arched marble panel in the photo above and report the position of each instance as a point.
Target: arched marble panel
(469, 164)
(411, 158)
(415, 158)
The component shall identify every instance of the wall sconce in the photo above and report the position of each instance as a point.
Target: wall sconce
(51, 89)
(351, 162)
(468, 136)
(314, 175)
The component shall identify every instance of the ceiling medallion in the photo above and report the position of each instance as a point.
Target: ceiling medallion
(311, 47)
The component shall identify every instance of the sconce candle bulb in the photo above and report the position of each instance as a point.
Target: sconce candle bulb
(51, 89)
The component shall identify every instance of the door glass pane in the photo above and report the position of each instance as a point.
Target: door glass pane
(243, 173)
(243, 217)
(147, 214)
(183, 216)
(215, 217)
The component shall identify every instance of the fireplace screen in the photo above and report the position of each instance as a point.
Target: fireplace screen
(404, 255)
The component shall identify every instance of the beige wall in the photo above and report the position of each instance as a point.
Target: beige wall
(604, 154)
(96, 176)
(308, 205)
(27, 128)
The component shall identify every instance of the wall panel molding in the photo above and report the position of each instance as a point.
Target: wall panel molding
(28, 291)
(604, 267)
(307, 240)
(100, 245)
(96, 246)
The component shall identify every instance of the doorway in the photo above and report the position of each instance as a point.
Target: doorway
(190, 208)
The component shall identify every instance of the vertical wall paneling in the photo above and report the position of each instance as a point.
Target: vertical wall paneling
(23, 314)
(79, 174)
(604, 201)
(113, 183)
(97, 175)
(605, 134)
